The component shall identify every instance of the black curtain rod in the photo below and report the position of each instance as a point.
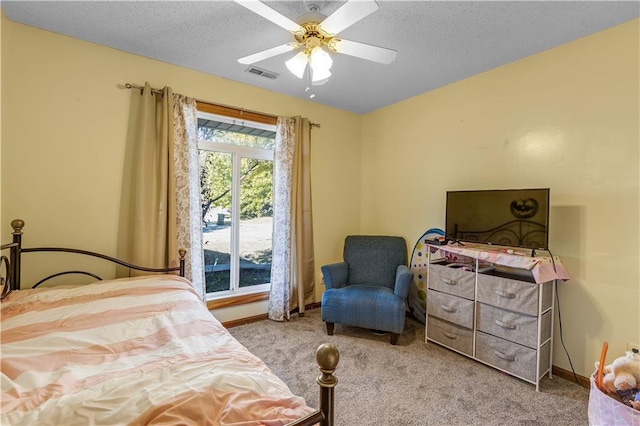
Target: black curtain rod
(160, 92)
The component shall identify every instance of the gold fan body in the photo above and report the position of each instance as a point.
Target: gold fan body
(314, 36)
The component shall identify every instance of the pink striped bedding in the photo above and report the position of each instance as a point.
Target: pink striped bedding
(131, 351)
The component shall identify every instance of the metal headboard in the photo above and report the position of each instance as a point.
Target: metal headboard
(515, 233)
(10, 266)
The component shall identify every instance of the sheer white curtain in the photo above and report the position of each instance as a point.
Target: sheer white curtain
(188, 205)
(292, 269)
(159, 212)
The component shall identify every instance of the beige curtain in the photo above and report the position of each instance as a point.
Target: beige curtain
(151, 232)
(292, 271)
(158, 217)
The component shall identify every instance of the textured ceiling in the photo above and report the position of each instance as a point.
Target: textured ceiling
(437, 42)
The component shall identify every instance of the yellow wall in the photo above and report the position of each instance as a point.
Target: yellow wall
(567, 119)
(65, 121)
(2, 230)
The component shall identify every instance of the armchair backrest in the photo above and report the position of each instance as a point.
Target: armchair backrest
(374, 259)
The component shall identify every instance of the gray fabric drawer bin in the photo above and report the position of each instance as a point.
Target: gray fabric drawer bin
(511, 357)
(451, 335)
(512, 294)
(450, 308)
(513, 326)
(452, 280)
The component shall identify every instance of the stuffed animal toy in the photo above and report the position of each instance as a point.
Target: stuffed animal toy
(626, 372)
(622, 377)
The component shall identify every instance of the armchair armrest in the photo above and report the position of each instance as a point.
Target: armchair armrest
(335, 274)
(404, 276)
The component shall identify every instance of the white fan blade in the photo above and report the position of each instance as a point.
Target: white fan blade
(269, 53)
(365, 51)
(348, 14)
(270, 14)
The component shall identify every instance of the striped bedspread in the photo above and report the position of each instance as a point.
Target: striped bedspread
(131, 351)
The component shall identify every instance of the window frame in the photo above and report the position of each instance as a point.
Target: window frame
(238, 152)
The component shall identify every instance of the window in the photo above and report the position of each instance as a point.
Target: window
(236, 179)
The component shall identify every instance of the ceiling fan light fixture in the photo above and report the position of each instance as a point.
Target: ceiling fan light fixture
(319, 76)
(298, 64)
(320, 60)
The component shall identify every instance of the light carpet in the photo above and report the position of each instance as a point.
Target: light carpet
(412, 383)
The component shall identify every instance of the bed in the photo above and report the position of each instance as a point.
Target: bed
(135, 351)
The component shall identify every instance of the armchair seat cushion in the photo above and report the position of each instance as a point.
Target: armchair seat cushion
(373, 307)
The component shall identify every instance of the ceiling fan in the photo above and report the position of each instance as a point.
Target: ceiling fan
(313, 36)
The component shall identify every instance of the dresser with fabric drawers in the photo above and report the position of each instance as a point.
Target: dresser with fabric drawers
(498, 316)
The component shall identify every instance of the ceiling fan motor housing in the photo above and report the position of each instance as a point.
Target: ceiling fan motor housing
(313, 36)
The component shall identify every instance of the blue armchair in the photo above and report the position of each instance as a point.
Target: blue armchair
(369, 289)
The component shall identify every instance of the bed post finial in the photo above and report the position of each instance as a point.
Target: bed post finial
(17, 225)
(327, 357)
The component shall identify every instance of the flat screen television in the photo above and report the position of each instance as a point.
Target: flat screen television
(507, 217)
